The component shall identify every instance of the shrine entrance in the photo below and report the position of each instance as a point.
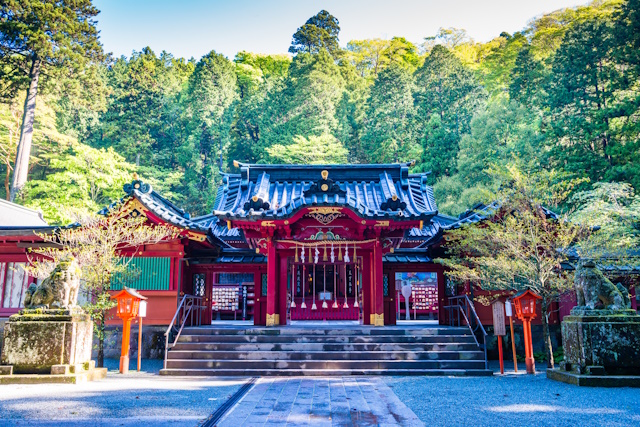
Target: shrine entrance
(325, 290)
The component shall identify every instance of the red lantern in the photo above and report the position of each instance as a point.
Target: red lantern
(525, 305)
(128, 306)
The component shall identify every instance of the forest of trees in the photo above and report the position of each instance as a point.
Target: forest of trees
(560, 95)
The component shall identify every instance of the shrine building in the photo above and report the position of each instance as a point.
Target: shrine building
(283, 243)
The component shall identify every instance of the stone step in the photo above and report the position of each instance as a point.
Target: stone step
(302, 339)
(326, 331)
(327, 355)
(304, 347)
(324, 364)
(323, 372)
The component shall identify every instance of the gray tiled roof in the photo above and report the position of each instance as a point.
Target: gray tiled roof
(158, 205)
(217, 227)
(14, 215)
(372, 191)
(481, 212)
(410, 258)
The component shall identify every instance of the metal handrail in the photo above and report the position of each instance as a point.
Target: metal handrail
(186, 310)
(463, 305)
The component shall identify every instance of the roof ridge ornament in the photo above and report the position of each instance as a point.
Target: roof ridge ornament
(325, 185)
(137, 184)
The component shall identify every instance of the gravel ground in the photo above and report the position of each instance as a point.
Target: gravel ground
(515, 400)
(139, 398)
(144, 398)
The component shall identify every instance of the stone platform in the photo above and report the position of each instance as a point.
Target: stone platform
(70, 374)
(602, 338)
(587, 380)
(38, 340)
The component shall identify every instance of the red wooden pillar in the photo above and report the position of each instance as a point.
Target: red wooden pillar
(377, 294)
(366, 287)
(442, 296)
(283, 292)
(273, 318)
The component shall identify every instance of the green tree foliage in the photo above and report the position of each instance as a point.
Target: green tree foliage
(258, 76)
(588, 128)
(505, 133)
(318, 33)
(211, 97)
(389, 135)
(447, 96)
(368, 57)
(81, 180)
(307, 103)
(527, 79)
(323, 149)
(38, 39)
(144, 91)
(614, 208)
(560, 95)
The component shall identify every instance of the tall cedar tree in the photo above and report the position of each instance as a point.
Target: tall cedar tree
(582, 101)
(36, 37)
(319, 32)
(307, 103)
(447, 96)
(389, 135)
(211, 96)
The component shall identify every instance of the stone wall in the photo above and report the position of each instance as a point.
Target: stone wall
(152, 342)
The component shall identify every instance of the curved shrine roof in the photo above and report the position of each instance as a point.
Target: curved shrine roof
(384, 191)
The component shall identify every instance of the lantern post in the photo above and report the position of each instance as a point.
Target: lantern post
(509, 311)
(128, 305)
(142, 313)
(525, 305)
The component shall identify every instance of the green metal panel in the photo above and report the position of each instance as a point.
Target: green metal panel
(147, 274)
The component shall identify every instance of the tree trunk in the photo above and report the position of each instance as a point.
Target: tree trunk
(21, 167)
(101, 329)
(545, 333)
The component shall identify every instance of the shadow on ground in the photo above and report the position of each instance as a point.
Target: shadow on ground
(139, 398)
(515, 399)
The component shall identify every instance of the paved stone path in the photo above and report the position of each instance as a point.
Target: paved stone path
(315, 401)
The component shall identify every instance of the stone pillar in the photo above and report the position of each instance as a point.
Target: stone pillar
(273, 318)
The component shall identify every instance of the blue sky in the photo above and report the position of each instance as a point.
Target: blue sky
(189, 28)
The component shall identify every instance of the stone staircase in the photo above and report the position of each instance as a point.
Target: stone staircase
(325, 350)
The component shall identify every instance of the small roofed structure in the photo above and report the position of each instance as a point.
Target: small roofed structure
(14, 215)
